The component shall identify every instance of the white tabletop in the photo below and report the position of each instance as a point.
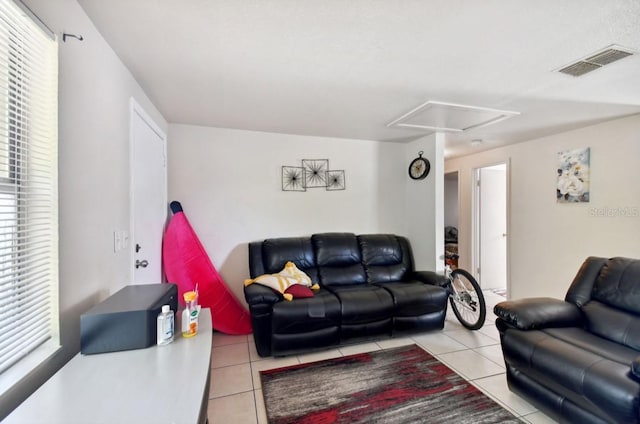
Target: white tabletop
(159, 384)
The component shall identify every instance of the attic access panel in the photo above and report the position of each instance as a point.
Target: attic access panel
(451, 117)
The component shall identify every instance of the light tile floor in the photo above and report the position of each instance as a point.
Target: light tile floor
(236, 395)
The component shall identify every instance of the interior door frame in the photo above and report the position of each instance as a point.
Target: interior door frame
(136, 109)
(475, 221)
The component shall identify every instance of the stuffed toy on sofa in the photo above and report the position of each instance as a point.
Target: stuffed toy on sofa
(290, 282)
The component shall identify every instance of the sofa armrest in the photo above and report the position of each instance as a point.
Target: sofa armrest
(256, 294)
(261, 300)
(538, 312)
(430, 277)
(635, 367)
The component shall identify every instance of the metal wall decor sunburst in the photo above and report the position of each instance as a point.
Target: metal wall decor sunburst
(335, 180)
(293, 178)
(315, 172)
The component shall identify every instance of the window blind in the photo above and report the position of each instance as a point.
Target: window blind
(28, 185)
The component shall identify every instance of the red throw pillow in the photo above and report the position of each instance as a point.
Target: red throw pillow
(298, 291)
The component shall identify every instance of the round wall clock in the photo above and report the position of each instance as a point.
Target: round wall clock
(419, 167)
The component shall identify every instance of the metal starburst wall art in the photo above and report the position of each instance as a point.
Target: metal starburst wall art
(314, 173)
(293, 178)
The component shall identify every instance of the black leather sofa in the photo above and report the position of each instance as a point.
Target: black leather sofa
(368, 289)
(578, 360)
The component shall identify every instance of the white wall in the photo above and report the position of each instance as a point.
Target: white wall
(94, 93)
(229, 183)
(424, 204)
(548, 241)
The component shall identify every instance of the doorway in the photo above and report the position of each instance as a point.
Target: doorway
(451, 207)
(490, 227)
(148, 190)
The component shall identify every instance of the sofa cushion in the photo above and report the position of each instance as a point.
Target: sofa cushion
(336, 249)
(413, 299)
(299, 291)
(579, 291)
(590, 371)
(380, 249)
(278, 251)
(613, 324)
(342, 276)
(364, 303)
(338, 258)
(306, 315)
(617, 284)
(383, 258)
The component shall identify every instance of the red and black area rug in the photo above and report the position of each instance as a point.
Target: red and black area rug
(396, 386)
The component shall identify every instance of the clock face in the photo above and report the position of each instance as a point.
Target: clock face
(419, 168)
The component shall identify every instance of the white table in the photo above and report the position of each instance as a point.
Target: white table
(160, 384)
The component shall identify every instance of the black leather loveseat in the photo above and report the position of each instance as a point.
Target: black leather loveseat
(578, 360)
(368, 288)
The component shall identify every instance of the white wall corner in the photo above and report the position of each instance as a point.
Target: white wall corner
(425, 204)
(438, 176)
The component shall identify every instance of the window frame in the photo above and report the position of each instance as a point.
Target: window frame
(20, 116)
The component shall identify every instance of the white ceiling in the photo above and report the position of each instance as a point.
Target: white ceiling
(339, 68)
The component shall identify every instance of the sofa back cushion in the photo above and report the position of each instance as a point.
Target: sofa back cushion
(581, 288)
(276, 252)
(385, 257)
(618, 284)
(338, 258)
(612, 324)
(614, 309)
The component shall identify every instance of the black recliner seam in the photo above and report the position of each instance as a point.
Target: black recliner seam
(586, 348)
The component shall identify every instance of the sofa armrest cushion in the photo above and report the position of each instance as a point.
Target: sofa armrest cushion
(538, 312)
(430, 277)
(256, 294)
(635, 367)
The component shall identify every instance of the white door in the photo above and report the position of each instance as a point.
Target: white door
(492, 194)
(148, 196)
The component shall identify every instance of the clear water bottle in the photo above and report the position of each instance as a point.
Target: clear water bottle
(165, 326)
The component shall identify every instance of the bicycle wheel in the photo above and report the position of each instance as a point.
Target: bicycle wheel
(467, 300)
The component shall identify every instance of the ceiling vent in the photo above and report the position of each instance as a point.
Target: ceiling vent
(450, 117)
(595, 61)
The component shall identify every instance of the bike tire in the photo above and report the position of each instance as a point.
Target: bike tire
(475, 320)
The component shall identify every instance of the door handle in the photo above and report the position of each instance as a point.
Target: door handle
(141, 263)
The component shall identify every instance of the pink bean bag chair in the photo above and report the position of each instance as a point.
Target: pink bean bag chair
(187, 263)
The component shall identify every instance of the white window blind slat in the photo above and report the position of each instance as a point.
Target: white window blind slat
(23, 347)
(21, 324)
(10, 355)
(28, 185)
(15, 322)
(24, 323)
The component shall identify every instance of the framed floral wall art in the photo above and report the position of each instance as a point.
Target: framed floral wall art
(573, 176)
